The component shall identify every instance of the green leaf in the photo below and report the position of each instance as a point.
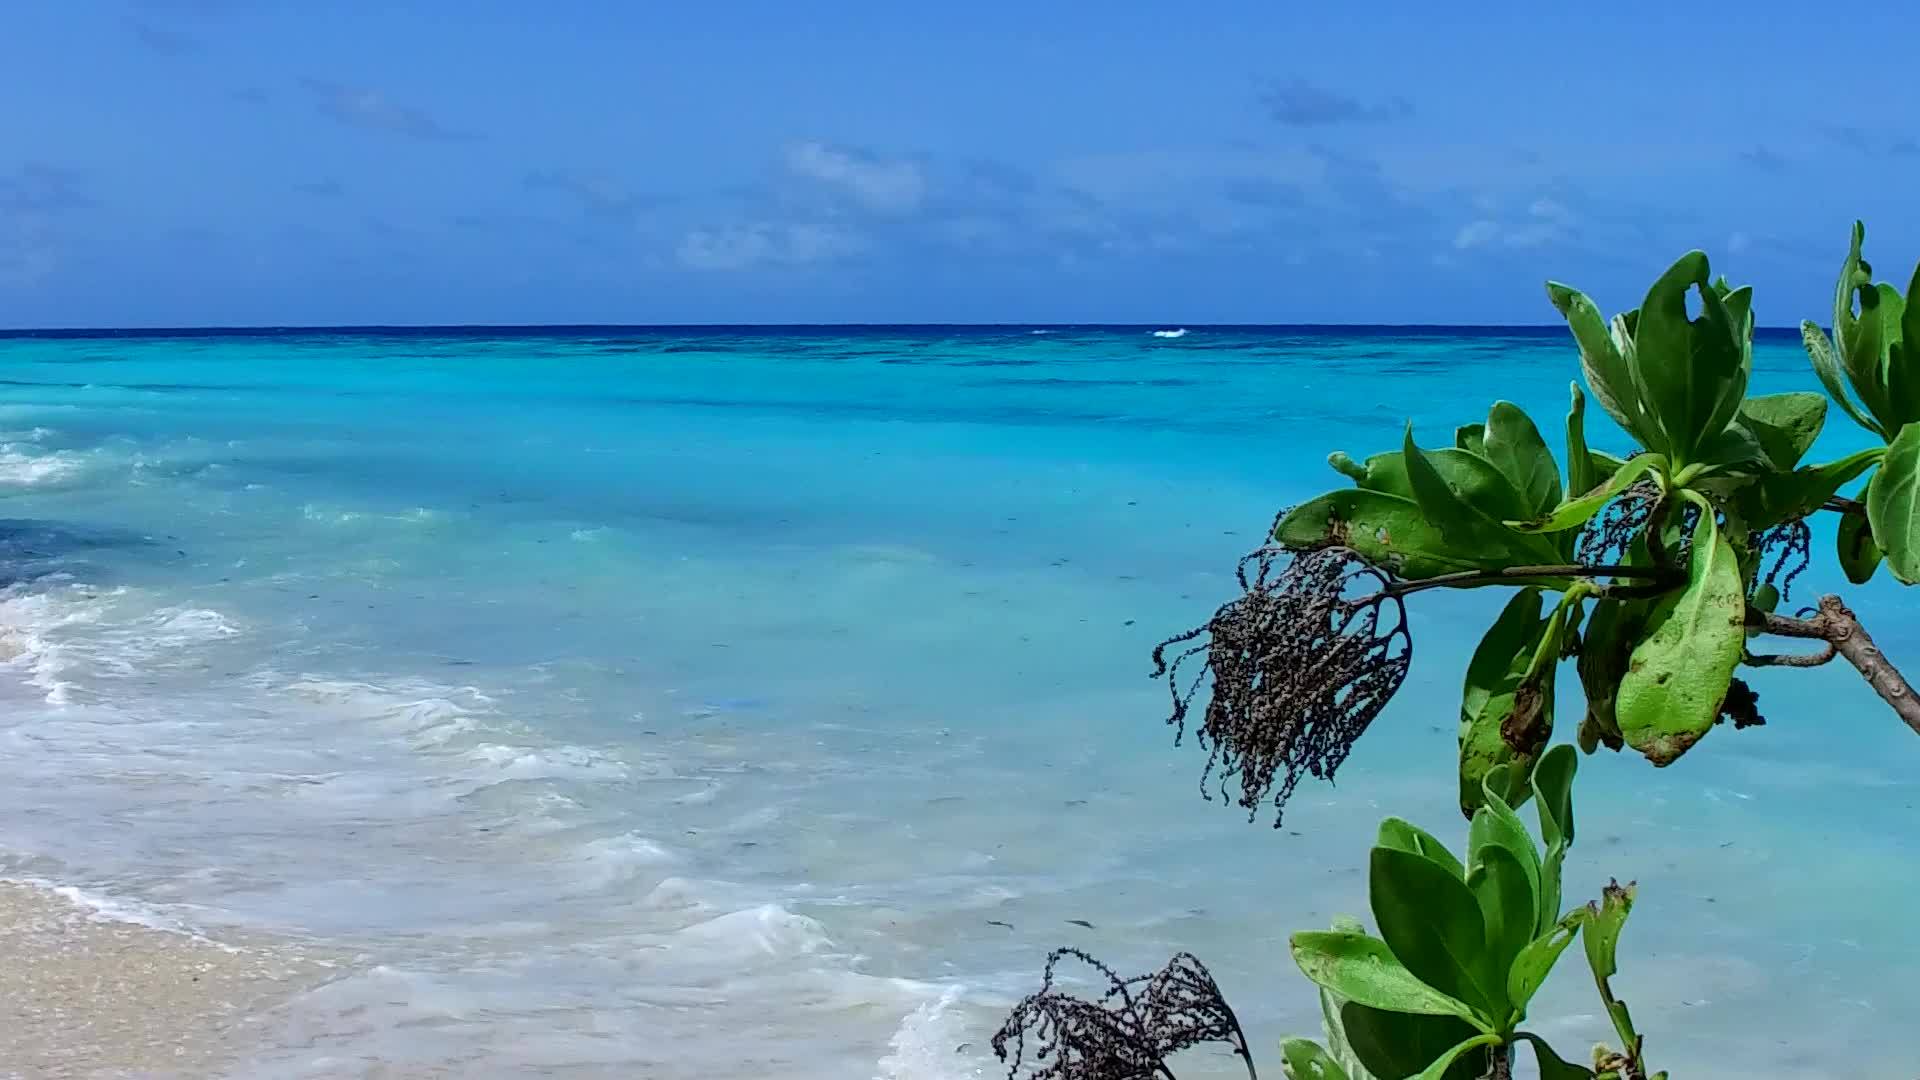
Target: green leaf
(1340, 1045)
(1679, 672)
(1785, 425)
(1827, 366)
(1509, 906)
(1893, 505)
(1496, 825)
(1692, 373)
(1515, 447)
(1578, 510)
(1432, 923)
(1471, 438)
(1612, 631)
(1443, 1065)
(1607, 371)
(1469, 474)
(1787, 496)
(1553, 790)
(1494, 675)
(1856, 356)
(1581, 475)
(1734, 451)
(1600, 934)
(1303, 1059)
(1903, 362)
(1870, 345)
(1605, 464)
(1529, 970)
(1553, 787)
(1459, 493)
(1550, 875)
(1406, 836)
(1347, 467)
(1390, 531)
(1859, 554)
(1390, 1044)
(1356, 967)
(1551, 1065)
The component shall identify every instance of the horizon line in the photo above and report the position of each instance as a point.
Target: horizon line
(262, 329)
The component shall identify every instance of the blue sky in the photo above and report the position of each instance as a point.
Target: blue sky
(194, 162)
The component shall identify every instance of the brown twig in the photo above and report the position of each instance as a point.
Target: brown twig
(1836, 625)
(1660, 578)
(1816, 659)
(1840, 504)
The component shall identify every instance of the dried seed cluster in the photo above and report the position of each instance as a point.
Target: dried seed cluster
(1126, 1033)
(1608, 536)
(1790, 547)
(1299, 666)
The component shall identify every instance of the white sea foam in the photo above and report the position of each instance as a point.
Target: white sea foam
(32, 626)
(549, 763)
(325, 515)
(100, 907)
(25, 467)
(616, 859)
(1180, 333)
(933, 1042)
(181, 625)
(760, 933)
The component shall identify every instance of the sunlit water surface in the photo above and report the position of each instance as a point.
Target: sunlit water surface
(749, 704)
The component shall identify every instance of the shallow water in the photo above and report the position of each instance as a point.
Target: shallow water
(727, 704)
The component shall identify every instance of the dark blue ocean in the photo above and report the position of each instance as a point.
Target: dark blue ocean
(724, 703)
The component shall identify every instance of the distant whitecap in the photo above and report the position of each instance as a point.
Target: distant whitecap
(1182, 332)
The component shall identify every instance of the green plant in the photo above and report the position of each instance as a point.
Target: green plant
(1664, 564)
(1875, 350)
(1442, 993)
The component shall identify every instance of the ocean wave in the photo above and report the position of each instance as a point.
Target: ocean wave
(324, 515)
(100, 907)
(68, 635)
(182, 625)
(24, 469)
(550, 763)
(757, 934)
(934, 1042)
(1180, 333)
(31, 625)
(615, 860)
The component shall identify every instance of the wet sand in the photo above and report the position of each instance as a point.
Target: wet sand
(85, 996)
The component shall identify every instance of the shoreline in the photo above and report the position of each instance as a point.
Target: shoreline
(86, 994)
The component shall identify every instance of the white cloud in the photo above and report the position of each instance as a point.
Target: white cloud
(1549, 210)
(884, 187)
(1476, 234)
(745, 247)
(1547, 221)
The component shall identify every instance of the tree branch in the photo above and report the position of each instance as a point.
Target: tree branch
(1841, 505)
(1660, 578)
(1816, 659)
(1836, 625)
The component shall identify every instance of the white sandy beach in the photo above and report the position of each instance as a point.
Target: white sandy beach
(83, 995)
